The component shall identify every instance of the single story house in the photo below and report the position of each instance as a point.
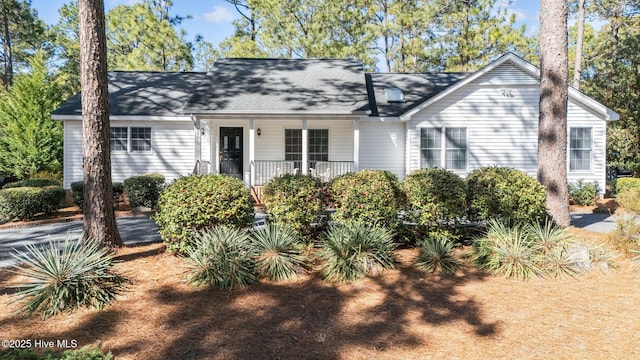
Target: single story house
(258, 118)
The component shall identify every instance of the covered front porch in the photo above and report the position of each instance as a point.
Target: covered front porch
(257, 150)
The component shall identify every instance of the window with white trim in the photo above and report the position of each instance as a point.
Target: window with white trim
(130, 139)
(446, 146)
(318, 145)
(580, 149)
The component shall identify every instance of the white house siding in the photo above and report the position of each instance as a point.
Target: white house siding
(500, 112)
(172, 153)
(382, 146)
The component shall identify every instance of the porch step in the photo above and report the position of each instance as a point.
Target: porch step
(256, 193)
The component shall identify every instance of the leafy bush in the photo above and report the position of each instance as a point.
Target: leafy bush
(437, 195)
(32, 183)
(355, 249)
(193, 203)
(624, 184)
(143, 190)
(629, 199)
(65, 276)
(436, 255)
(26, 202)
(506, 194)
(294, 200)
(369, 196)
(222, 258)
(278, 253)
(77, 192)
(84, 353)
(583, 193)
(524, 250)
(626, 237)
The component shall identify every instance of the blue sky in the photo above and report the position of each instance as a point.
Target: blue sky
(213, 18)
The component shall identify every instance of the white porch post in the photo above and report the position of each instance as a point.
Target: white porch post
(197, 141)
(356, 145)
(305, 148)
(252, 151)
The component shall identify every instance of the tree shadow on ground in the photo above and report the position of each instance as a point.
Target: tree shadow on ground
(313, 319)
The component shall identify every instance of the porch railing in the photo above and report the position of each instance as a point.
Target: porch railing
(201, 167)
(265, 170)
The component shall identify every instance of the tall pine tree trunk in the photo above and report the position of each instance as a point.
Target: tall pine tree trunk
(99, 216)
(579, 40)
(552, 126)
(6, 44)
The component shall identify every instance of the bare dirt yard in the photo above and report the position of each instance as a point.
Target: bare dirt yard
(402, 314)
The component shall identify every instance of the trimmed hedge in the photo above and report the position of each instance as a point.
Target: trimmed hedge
(369, 196)
(437, 195)
(583, 193)
(504, 193)
(26, 202)
(193, 203)
(32, 183)
(77, 192)
(624, 184)
(143, 190)
(294, 200)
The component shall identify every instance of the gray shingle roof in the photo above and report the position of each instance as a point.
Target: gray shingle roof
(417, 88)
(143, 93)
(319, 86)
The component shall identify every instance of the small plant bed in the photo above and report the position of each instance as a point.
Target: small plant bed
(398, 313)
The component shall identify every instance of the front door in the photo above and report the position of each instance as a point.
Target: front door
(231, 151)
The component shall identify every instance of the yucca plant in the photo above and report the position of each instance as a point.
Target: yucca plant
(278, 254)
(221, 258)
(354, 249)
(436, 255)
(508, 251)
(547, 237)
(65, 276)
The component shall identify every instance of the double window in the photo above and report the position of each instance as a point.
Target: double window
(318, 145)
(580, 149)
(444, 148)
(130, 139)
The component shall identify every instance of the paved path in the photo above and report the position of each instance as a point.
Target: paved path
(133, 230)
(602, 223)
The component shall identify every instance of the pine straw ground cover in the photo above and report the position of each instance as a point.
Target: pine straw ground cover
(400, 314)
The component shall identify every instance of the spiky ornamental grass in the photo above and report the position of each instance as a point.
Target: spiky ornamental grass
(524, 250)
(65, 276)
(221, 258)
(436, 255)
(278, 254)
(354, 250)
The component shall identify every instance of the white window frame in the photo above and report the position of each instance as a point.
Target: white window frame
(129, 140)
(570, 149)
(309, 145)
(443, 147)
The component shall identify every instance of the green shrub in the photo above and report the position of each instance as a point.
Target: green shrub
(355, 249)
(278, 253)
(222, 258)
(65, 276)
(524, 250)
(436, 255)
(369, 196)
(629, 199)
(77, 192)
(504, 193)
(294, 200)
(193, 203)
(437, 195)
(32, 183)
(84, 353)
(624, 184)
(583, 193)
(143, 190)
(26, 202)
